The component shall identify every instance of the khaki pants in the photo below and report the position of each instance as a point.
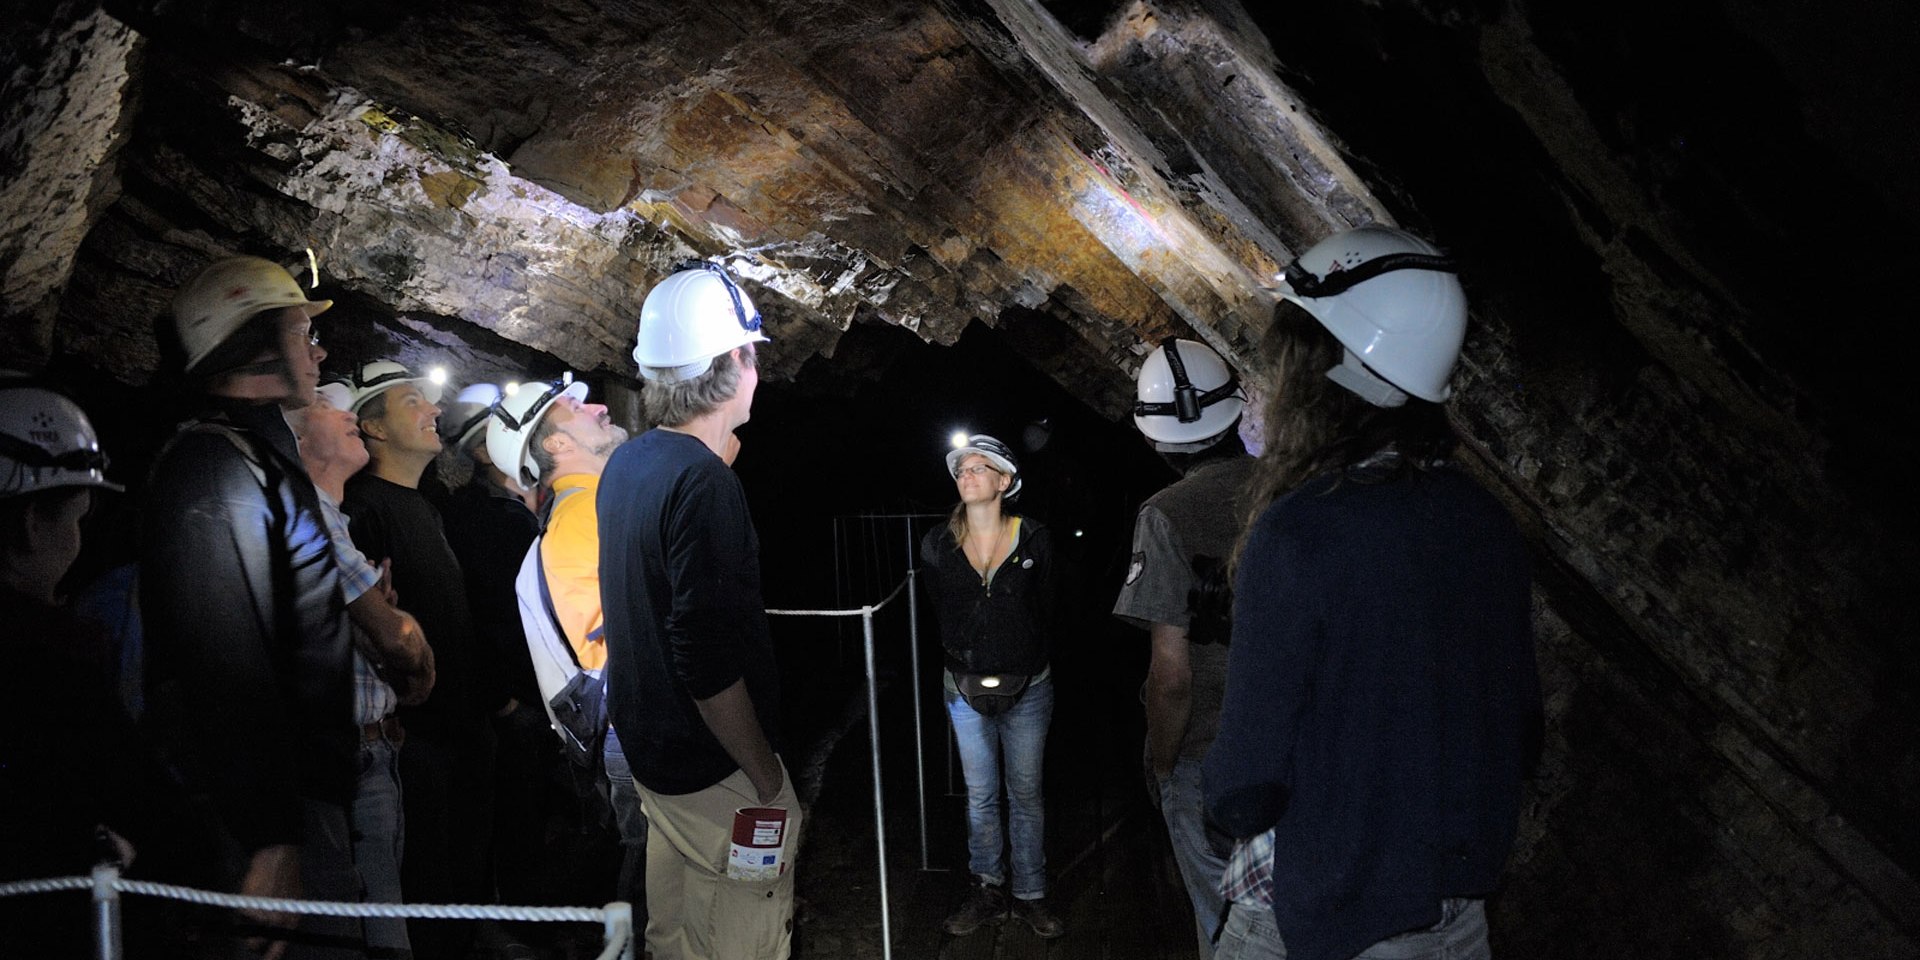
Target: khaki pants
(694, 911)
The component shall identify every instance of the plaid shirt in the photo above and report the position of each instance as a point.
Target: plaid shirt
(1249, 875)
(373, 699)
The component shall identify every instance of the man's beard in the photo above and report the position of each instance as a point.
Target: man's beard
(618, 437)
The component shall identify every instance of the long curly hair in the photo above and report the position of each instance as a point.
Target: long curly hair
(1313, 426)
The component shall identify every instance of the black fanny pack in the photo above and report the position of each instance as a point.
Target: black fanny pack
(991, 694)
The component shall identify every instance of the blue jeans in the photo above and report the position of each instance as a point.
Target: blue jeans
(378, 834)
(1200, 863)
(1461, 934)
(1019, 737)
(632, 821)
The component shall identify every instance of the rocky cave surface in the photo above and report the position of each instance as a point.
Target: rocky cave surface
(1686, 227)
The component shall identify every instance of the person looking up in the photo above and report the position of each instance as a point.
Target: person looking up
(990, 580)
(1382, 701)
(691, 679)
(388, 643)
(447, 759)
(1189, 404)
(249, 668)
(561, 445)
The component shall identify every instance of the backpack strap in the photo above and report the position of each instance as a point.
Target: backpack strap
(540, 567)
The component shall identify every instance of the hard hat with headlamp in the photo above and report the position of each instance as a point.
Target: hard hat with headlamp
(222, 298)
(1394, 301)
(465, 420)
(376, 378)
(995, 452)
(688, 319)
(46, 442)
(1185, 394)
(513, 420)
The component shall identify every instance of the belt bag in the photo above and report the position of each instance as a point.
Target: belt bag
(580, 717)
(991, 694)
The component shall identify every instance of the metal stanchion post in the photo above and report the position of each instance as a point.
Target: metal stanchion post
(919, 737)
(106, 911)
(879, 804)
(620, 914)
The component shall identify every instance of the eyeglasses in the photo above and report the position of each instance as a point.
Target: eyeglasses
(976, 470)
(313, 336)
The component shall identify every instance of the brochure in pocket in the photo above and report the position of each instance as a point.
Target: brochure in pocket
(758, 850)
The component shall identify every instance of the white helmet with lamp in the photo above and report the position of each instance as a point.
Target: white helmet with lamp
(995, 452)
(512, 422)
(376, 378)
(466, 418)
(688, 319)
(1186, 396)
(46, 442)
(1394, 301)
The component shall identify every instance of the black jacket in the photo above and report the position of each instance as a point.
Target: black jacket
(249, 672)
(1000, 627)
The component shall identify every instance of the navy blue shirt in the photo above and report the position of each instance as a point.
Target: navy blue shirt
(680, 590)
(1382, 703)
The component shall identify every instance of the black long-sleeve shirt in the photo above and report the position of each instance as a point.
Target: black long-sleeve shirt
(392, 522)
(489, 531)
(1382, 703)
(680, 580)
(1001, 626)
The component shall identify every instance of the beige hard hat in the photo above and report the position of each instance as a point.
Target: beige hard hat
(221, 298)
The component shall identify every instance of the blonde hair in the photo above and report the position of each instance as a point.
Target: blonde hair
(957, 520)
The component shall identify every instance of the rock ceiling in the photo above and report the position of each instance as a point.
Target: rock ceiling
(1682, 224)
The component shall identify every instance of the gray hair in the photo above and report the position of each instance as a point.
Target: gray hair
(676, 404)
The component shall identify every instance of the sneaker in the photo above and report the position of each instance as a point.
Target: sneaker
(985, 903)
(1036, 914)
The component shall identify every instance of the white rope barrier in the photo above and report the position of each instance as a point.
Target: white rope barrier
(855, 612)
(319, 908)
(617, 917)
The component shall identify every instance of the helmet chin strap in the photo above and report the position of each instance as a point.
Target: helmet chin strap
(1354, 375)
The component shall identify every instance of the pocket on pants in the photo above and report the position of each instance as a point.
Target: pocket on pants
(752, 918)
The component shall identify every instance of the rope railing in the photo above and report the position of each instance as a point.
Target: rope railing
(107, 884)
(867, 610)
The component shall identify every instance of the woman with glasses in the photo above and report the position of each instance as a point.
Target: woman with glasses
(990, 582)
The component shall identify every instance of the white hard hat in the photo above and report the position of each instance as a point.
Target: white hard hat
(46, 442)
(1186, 394)
(338, 394)
(221, 298)
(467, 416)
(510, 428)
(378, 377)
(996, 453)
(1394, 301)
(688, 319)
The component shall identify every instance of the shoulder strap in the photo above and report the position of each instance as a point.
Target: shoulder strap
(546, 599)
(546, 511)
(269, 476)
